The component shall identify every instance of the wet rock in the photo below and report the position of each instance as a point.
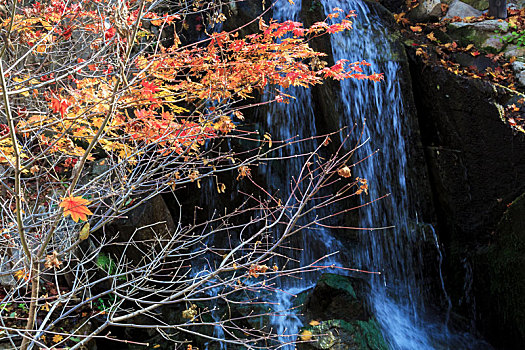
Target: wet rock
(462, 10)
(504, 263)
(477, 166)
(342, 335)
(337, 297)
(337, 318)
(427, 11)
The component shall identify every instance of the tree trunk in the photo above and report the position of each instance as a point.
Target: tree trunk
(498, 8)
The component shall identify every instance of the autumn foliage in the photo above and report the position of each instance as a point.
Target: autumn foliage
(101, 112)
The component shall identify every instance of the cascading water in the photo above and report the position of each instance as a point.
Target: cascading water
(397, 298)
(294, 121)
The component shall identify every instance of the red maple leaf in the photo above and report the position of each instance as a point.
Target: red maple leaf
(59, 106)
(76, 207)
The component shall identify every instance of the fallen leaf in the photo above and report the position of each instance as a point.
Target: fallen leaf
(431, 37)
(314, 323)
(416, 29)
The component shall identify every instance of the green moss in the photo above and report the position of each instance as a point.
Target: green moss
(355, 335)
(369, 335)
(338, 282)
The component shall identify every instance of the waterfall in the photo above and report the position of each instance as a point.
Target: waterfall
(295, 121)
(397, 298)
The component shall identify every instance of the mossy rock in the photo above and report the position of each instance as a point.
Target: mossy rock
(478, 4)
(337, 297)
(343, 335)
(338, 282)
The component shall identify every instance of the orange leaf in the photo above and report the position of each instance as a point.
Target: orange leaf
(76, 207)
(59, 106)
(57, 338)
(416, 29)
(431, 36)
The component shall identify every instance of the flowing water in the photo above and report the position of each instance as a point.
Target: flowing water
(398, 296)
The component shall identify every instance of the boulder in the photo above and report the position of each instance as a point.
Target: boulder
(337, 297)
(342, 335)
(481, 5)
(427, 11)
(519, 71)
(490, 25)
(514, 51)
(484, 34)
(150, 220)
(337, 317)
(460, 9)
(493, 44)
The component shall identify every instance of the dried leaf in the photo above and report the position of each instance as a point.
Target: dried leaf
(52, 260)
(431, 37)
(416, 29)
(344, 171)
(314, 323)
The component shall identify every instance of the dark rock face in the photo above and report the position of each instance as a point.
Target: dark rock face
(477, 166)
(149, 220)
(337, 297)
(503, 283)
(337, 317)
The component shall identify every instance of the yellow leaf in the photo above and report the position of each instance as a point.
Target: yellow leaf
(22, 274)
(431, 36)
(57, 338)
(469, 46)
(416, 29)
(269, 138)
(45, 307)
(306, 335)
(84, 233)
(314, 323)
